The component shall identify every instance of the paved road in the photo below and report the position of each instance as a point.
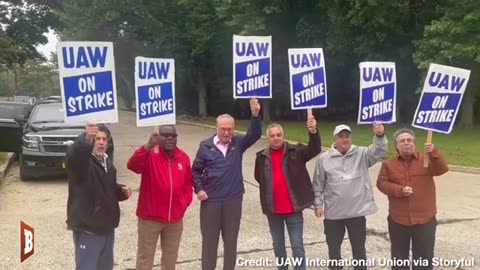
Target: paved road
(41, 204)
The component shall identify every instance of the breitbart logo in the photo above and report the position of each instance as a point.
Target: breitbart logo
(27, 241)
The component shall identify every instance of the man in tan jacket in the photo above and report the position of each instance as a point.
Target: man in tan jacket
(412, 202)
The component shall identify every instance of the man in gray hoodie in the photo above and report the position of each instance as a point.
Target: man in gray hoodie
(344, 193)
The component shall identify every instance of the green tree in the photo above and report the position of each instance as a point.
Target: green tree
(23, 24)
(34, 78)
(454, 40)
(105, 21)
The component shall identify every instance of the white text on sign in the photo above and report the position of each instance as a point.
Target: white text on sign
(254, 81)
(90, 100)
(439, 114)
(156, 105)
(380, 108)
(252, 66)
(311, 90)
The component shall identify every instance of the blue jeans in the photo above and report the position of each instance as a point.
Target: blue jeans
(294, 223)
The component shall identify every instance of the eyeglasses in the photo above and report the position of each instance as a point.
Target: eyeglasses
(407, 140)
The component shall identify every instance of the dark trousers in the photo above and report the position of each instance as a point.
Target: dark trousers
(294, 223)
(215, 218)
(357, 233)
(93, 251)
(422, 238)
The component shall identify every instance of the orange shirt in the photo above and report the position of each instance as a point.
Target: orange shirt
(396, 173)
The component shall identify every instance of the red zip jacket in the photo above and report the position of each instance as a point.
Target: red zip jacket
(166, 187)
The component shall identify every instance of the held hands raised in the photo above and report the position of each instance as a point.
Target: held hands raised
(312, 125)
(429, 147)
(152, 141)
(255, 107)
(378, 129)
(91, 130)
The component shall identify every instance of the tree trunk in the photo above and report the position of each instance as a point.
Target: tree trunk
(127, 99)
(466, 120)
(9, 87)
(266, 111)
(202, 95)
(397, 112)
(15, 81)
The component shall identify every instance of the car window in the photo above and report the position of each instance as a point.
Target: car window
(10, 110)
(47, 113)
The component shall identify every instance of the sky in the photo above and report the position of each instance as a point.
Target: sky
(50, 47)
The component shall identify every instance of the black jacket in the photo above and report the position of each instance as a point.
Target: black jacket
(93, 193)
(298, 180)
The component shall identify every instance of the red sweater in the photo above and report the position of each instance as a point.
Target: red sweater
(166, 188)
(281, 197)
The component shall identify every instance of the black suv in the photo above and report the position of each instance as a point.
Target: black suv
(41, 137)
(10, 129)
(46, 138)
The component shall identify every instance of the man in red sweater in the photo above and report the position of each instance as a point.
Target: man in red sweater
(166, 191)
(286, 188)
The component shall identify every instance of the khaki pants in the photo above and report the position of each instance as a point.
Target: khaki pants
(148, 233)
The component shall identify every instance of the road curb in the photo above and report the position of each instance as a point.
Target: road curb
(5, 165)
(453, 168)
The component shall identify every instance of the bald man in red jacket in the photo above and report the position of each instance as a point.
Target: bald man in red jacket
(166, 191)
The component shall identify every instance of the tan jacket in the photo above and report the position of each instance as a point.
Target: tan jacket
(396, 173)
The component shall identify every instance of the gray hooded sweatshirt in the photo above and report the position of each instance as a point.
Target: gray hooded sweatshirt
(341, 183)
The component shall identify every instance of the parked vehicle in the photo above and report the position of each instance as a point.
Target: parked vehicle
(10, 129)
(42, 138)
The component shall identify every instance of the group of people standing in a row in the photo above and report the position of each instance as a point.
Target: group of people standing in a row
(340, 192)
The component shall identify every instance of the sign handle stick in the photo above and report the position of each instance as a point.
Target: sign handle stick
(426, 158)
(309, 113)
(156, 131)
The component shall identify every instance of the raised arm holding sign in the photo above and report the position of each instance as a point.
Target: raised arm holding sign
(155, 93)
(252, 67)
(87, 81)
(377, 101)
(440, 101)
(308, 85)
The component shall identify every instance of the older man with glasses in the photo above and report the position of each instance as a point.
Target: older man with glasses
(166, 190)
(412, 202)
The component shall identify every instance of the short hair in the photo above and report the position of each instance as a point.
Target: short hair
(401, 131)
(164, 126)
(104, 128)
(273, 125)
(225, 116)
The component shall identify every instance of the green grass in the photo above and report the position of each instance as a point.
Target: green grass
(461, 146)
